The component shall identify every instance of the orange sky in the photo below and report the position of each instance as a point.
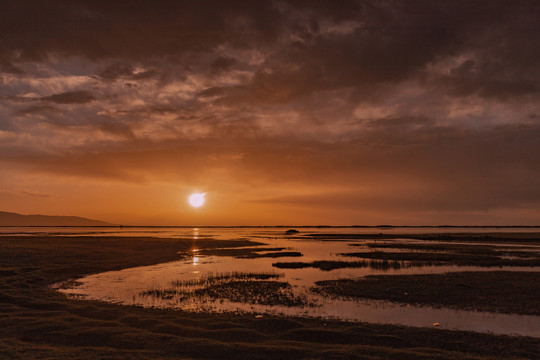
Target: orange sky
(283, 112)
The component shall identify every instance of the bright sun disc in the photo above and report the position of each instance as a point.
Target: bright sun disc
(196, 199)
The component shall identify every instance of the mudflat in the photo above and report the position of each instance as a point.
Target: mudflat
(37, 322)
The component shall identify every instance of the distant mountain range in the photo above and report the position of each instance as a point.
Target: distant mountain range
(14, 219)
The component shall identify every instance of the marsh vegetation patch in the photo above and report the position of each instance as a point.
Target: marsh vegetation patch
(241, 287)
(327, 265)
(493, 291)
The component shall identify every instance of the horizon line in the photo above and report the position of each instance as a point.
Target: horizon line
(278, 226)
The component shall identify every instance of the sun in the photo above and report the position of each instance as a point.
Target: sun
(196, 199)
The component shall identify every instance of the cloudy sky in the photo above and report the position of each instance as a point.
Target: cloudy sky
(283, 112)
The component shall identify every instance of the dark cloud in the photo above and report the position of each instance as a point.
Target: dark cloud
(116, 128)
(400, 123)
(38, 109)
(125, 71)
(385, 41)
(215, 91)
(469, 78)
(222, 63)
(115, 71)
(71, 97)
(7, 67)
(101, 29)
(393, 43)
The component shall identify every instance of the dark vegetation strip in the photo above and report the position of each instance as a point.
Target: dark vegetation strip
(449, 258)
(459, 248)
(273, 255)
(37, 322)
(482, 249)
(430, 246)
(328, 265)
(494, 291)
(521, 238)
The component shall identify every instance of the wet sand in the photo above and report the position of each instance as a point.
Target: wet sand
(38, 322)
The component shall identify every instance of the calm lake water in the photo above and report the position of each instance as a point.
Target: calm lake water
(175, 284)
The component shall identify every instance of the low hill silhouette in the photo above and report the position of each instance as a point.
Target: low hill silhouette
(14, 219)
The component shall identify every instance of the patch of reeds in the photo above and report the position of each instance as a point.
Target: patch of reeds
(211, 278)
(242, 287)
(253, 292)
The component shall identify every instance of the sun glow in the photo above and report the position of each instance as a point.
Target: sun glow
(196, 199)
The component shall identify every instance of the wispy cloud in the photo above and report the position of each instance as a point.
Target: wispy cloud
(18, 193)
